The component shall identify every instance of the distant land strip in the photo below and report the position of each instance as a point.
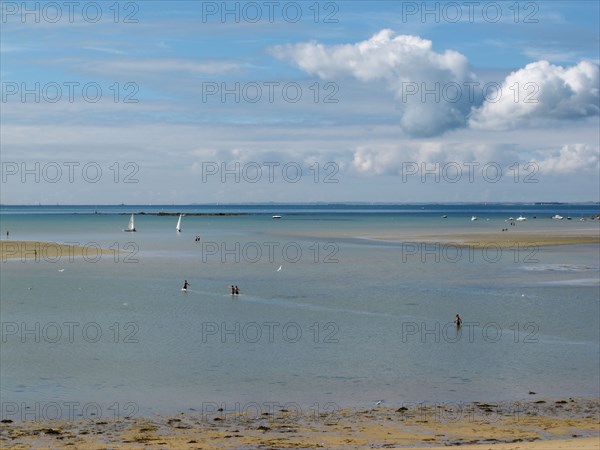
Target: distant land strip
(192, 214)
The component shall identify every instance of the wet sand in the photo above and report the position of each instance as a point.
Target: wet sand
(567, 424)
(562, 444)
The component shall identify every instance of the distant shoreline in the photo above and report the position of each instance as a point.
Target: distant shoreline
(183, 213)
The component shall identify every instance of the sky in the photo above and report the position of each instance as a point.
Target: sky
(166, 102)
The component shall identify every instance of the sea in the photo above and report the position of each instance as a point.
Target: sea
(340, 306)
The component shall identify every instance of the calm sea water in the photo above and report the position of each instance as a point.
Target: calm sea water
(327, 315)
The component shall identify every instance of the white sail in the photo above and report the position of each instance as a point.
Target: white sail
(178, 227)
(130, 226)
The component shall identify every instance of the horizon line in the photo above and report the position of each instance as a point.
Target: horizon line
(367, 203)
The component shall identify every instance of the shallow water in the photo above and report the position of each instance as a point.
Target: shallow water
(346, 321)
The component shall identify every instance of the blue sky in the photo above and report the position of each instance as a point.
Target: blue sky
(371, 101)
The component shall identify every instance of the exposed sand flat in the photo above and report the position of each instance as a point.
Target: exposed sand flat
(508, 239)
(50, 251)
(513, 240)
(543, 425)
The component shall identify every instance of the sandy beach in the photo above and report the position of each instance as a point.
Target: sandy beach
(568, 424)
(561, 444)
(50, 251)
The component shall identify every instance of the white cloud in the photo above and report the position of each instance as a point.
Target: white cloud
(408, 66)
(572, 158)
(383, 160)
(433, 155)
(404, 63)
(540, 92)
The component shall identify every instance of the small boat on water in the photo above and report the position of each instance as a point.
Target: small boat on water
(473, 218)
(131, 225)
(276, 217)
(557, 217)
(521, 219)
(178, 226)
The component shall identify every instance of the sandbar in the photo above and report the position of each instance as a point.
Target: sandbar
(50, 251)
(508, 239)
(516, 239)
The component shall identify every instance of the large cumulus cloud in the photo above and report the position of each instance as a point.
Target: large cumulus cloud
(537, 94)
(399, 61)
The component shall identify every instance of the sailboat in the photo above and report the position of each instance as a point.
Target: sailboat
(130, 226)
(178, 226)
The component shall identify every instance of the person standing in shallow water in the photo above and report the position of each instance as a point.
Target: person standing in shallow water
(232, 289)
(185, 285)
(458, 320)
